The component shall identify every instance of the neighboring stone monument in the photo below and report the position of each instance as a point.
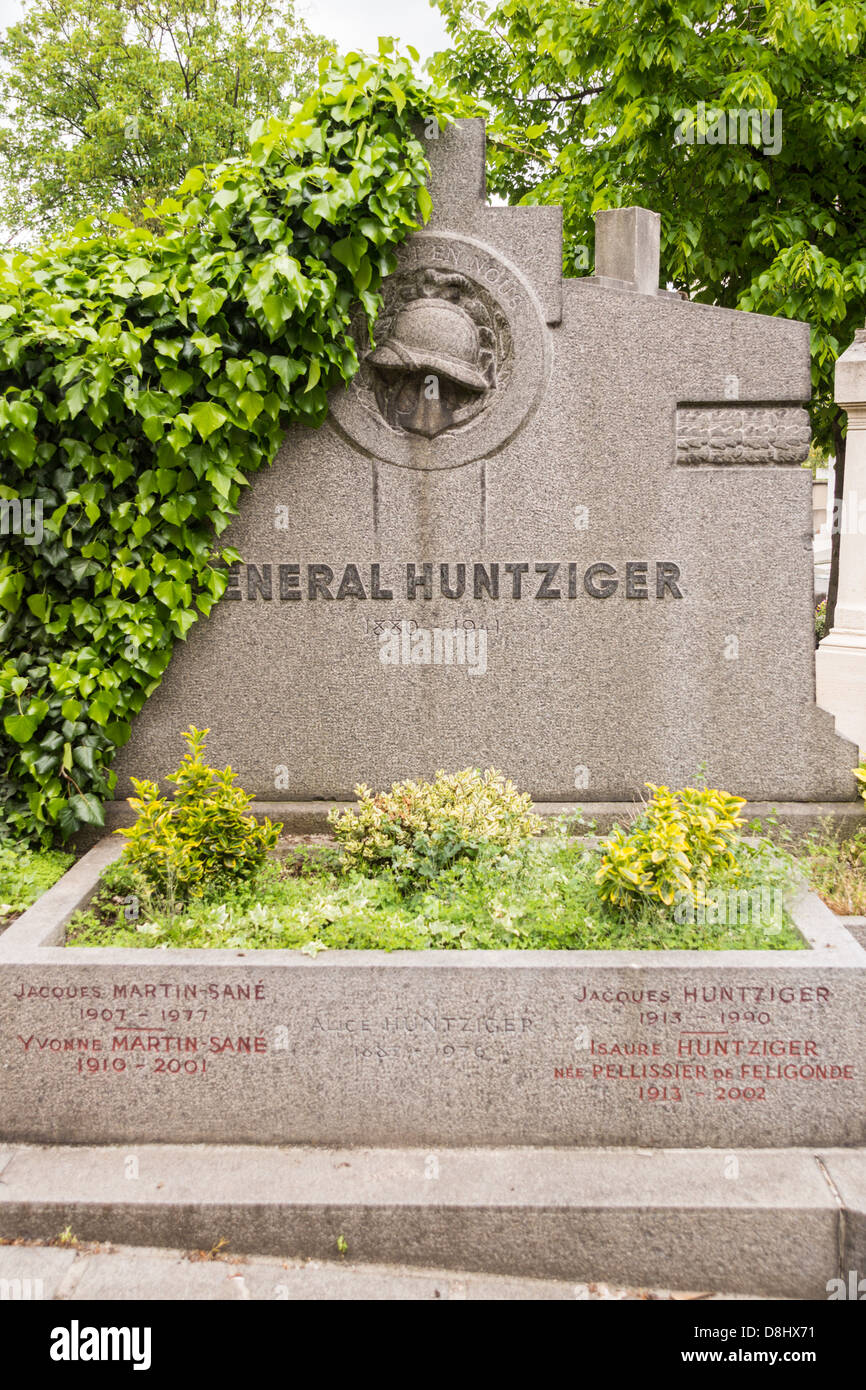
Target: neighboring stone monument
(841, 658)
(557, 527)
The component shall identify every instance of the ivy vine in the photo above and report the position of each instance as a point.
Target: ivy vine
(144, 378)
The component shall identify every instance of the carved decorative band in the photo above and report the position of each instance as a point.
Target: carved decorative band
(711, 434)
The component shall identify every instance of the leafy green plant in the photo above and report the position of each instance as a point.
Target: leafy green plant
(25, 874)
(674, 847)
(202, 841)
(419, 829)
(542, 895)
(821, 620)
(144, 378)
(860, 776)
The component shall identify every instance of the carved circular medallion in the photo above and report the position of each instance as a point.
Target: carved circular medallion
(459, 361)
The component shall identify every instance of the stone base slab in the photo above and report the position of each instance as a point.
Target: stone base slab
(780, 1223)
(311, 817)
(656, 1048)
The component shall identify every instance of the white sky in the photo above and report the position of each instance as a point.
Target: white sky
(352, 23)
(358, 23)
(10, 10)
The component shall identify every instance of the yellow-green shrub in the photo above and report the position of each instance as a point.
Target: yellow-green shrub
(201, 840)
(417, 829)
(675, 846)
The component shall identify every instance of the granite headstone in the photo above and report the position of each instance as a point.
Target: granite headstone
(554, 526)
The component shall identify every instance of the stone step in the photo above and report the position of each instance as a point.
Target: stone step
(777, 1223)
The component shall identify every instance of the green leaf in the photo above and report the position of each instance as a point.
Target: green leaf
(182, 621)
(176, 510)
(20, 727)
(287, 369)
(101, 708)
(207, 302)
(237, 371)
(87, 809)
(22, 415)
(266, 226)
(207, 417)
(76, 398)
(176, 382)
(398, 94)
(250, 403)
(192, 182)
(278, 310)
(40, 606)
(67, 820)
(349, 251)
(22, 446)
(85, 757)
(11, 587)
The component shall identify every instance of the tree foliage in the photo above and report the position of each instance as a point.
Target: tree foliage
(145, 377)
(587, 100)
(107, 103)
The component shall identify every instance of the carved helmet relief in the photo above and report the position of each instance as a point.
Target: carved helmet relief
(442, 345)
(447, 379)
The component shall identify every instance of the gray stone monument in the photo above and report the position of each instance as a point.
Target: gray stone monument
(841, 659)
(557, 527)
